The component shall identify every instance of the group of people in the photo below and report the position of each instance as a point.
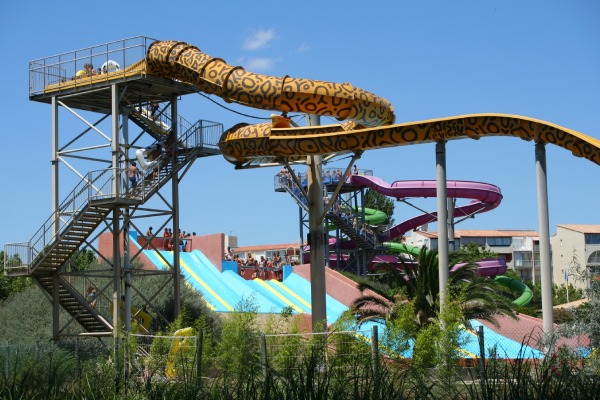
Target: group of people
(168, 241)
(89, 70)
(260, 267)
(329, 176)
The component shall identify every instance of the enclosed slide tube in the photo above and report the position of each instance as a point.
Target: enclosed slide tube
(368, 117)
(517, 286)
(212, 75)
(485, 197)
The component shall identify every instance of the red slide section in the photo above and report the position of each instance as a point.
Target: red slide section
(484, 196)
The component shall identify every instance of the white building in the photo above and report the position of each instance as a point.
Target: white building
(576, 254)
(520, 248)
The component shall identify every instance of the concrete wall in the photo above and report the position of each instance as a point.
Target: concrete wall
(211, 245)
(105, 247)
(568, 248)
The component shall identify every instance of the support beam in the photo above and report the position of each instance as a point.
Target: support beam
(317, 233)
(442, 218)
(55, 308)
(175, 205)
(544, 228)
(55, 169)
(126, 244)
(116, 258)
(451, 236)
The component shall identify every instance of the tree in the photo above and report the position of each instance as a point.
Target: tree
(586, 320)
(11, 285)
(377, 201)
(471, 252)
(82, 260)
(419, 284)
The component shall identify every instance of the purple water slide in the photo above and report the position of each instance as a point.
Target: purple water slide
(484, 197)
(487, 267)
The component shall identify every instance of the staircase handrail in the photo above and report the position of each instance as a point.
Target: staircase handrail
(94, 185)
(189, 131)
(97, 185)
(202, 133)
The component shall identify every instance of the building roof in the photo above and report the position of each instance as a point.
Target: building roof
(581, 228)
(484, 233)
(495, 233)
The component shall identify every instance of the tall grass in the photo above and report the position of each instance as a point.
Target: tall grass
(250, 360)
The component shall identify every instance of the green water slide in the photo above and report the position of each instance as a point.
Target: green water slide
(402, 248)
(517, 286)
(372, 217)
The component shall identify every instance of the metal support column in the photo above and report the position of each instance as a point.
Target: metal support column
(317, 233)
(55, 169)
(175, 205)
(451, 236)
(55, 308)
(55, 217)
(544, 227)
(126, 237)
(116, 257)
(301, 219)
(442, 217)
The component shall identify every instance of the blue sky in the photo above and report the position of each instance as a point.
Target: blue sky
(430, 59)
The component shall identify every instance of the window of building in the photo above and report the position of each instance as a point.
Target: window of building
(592, 238)
(499, 241)
(594, 258)
(522, 259)
(480, 241)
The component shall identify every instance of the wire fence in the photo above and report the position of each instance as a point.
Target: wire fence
(202, 363)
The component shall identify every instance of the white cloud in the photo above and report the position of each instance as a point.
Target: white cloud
(303, 48)
(259, 64)
(259, 39)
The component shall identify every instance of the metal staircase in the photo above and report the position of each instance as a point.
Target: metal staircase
(367, 246)
(74, 303)
(353, 234)
(297, 196)
(367, 249)
(158, 126)
(85, 208)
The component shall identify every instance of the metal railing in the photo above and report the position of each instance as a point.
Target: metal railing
(202, 134)
(113, 57)
(99, 185)
(94, 185)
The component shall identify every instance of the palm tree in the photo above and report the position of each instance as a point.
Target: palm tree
(419, 283)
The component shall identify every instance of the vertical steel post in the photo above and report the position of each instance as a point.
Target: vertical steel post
(301, 219)
(116, 258)
(55, 217)
(317, 234)
(442, 217)
(126, 238)
(175, 205)
(451, 237)
(543, 222)
(55, 169)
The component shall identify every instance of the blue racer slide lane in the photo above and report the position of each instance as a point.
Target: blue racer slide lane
(223, 291)
(259, 297)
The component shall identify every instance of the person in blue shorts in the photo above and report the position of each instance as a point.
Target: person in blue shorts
(133, 172)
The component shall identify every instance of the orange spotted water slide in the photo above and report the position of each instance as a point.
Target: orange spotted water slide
(369, 119)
